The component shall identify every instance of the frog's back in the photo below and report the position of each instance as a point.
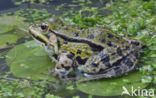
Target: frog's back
(119, 55)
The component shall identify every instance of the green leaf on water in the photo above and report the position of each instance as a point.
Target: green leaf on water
(7, 39)
(24, 62)
(9, 23)
(113, 86)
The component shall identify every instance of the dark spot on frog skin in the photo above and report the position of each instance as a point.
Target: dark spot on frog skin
(113, 53)
(76, 34)
(118, 62)
(67, 67)
(55, 56)
(102, 71)
(96, 48)
(65, 42)
(79, 51)
(119, 51)
(128, 62)
(136, 55)
(143, 47)
(58, 67)
(136, 43)
(110, 35)
(80, 60)
(94, 70)
(62, 76)
(94, 64)
(108, 64)
(70, 55)
(62, 65)
(109, 44)
(127, 47)
(102, 40)
(118, 71)
(117, 37)
(105, 59)
(91, 36)
(64, 51)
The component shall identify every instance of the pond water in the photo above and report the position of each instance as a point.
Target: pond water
(20, 51)
(6, 4)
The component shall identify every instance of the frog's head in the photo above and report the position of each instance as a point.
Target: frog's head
(39, 32)
(65, 64)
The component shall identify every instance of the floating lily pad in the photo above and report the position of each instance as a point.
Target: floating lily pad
(29, 60)
(114, 86)
(8, 23)
(7, 39)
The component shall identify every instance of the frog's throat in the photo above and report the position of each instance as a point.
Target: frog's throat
(93, 45)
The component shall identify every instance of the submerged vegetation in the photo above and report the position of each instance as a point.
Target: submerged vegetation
(28, 78)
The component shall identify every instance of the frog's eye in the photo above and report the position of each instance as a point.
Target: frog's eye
(44, 26)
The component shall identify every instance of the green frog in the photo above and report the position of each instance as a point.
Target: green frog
(94, 52)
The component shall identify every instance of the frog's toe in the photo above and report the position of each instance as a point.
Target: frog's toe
(61, 71)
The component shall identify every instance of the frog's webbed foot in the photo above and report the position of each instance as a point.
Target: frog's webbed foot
(65, 75)
(61, 76)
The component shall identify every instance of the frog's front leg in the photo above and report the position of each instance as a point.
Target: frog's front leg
(52, 47)
(65, 64)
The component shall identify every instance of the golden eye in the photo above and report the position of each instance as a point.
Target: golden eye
(44, 26)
